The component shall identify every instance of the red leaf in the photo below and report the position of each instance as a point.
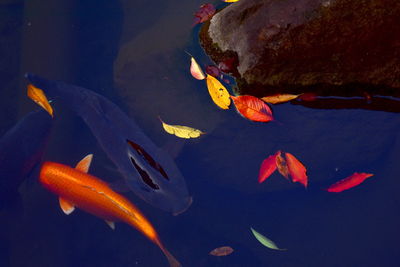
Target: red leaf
(308, 97)
(204, 13)
(268, 166)
(349, 182)
(252, 108)
(296, 169)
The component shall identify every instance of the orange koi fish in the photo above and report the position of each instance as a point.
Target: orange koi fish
(75, 187)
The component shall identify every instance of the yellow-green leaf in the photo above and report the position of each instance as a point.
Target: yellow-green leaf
(265, 241)
(181, 131)
(218, 92)
(37, 95)
(281, 98)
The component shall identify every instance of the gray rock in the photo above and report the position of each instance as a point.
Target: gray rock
(286, 45)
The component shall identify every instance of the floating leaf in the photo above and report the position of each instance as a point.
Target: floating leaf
(252, 108)
(268, 166)
(349, 182)
(221, 251)
(218, 92)
(296, 169)
(281, 165)
(308, 97)
(204, 13)
(280, 98)
(40, 98)
(181, 131)
(265, 241)
(230, 1)
(213, 71)
(196, 70)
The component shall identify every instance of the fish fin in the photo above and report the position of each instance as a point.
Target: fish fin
(111, 224)
(66, 206)
(84, 164)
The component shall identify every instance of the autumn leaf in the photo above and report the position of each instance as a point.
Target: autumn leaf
(252, 108)
(181, 131)
(38, 96)
(204, 13)
(218, 92)
(268, 166)
(296, 169)
(230, 1)
(221, 251)
(280, 98)
(196, 70)
(281, 165)
(349, 182)
(265, 241)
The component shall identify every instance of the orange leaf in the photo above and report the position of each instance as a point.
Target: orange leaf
(296, 169)
(349, 182)
(268, 166)
(38, 96)
(252, 108)
(281, 165)
(280, 98)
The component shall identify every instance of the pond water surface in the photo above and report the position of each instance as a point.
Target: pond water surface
(133, 52)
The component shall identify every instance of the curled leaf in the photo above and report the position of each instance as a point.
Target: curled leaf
(181, 131)
(218, 92)
(280, 98)
(349, 182)
(221, 251)
(268, 166)
(281, 165)
(296, 169)
(265, 241)
(196, 70)
(37, 95)
(252, 108)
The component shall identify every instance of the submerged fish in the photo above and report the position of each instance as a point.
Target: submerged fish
(148, 170)
(75, 187)
(21, 150)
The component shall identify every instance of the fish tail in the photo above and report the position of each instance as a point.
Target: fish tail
(171, 259)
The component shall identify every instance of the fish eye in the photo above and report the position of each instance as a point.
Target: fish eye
(145, 177)
(146, 156)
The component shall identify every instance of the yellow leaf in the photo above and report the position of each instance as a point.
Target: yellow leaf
(40, 98)
(230, 1)
(280, 98)
(195, 70)
(181, 131)
(218, 92)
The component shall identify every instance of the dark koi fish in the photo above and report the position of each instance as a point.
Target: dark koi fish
(21, 150)
(148, 170)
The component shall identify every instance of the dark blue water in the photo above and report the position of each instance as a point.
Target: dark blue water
(133, 53)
